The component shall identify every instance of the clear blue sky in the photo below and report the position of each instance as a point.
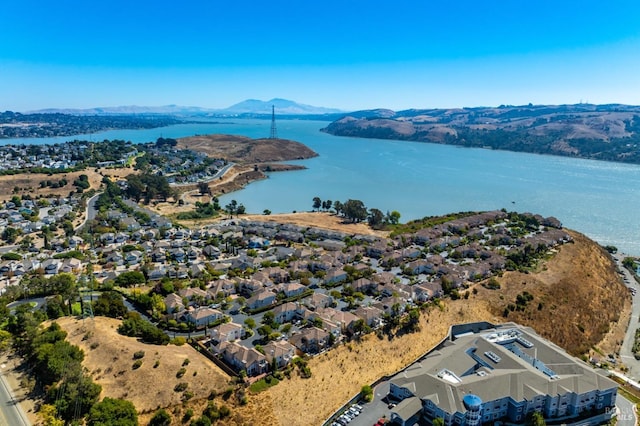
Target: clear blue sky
(347, 54)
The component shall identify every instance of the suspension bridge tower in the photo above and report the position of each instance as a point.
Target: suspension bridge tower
(274, 131)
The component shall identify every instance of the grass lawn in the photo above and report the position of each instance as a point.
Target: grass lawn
(263, 384)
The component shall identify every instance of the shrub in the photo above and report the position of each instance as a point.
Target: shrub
(137, 364)
(181, 372)
(186, 362)
(138, 355)
(179, 341)
(181, 387)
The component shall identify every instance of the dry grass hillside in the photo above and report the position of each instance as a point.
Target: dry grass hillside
(29, 183)
(578, 298)
(109, 360)
(240, 149)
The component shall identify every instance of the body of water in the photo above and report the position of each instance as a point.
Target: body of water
(600, 199)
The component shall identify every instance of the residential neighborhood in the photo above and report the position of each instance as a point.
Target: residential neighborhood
(260, 293)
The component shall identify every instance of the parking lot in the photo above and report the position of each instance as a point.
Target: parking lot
(373, 411)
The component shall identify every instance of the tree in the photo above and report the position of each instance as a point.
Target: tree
(10, 234)
(129, 278)
(317, 202)
(48, 414)
(338, 207)
(438, 421)
(231, 207)
(240, 209)
(113, 412)
(535, 419)
(375, 218)
(203, 188)
(355, 210)
(393, 217)
(266, 212)
(367, 393)
(110, 304)
(160, 418)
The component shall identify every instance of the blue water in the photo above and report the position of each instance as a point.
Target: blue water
(597, 198)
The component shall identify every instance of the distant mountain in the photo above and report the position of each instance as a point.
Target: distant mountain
(282, 106)
(127, 110)
(248, 107)
(599, 132)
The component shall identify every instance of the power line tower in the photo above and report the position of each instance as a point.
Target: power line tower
(274, 131)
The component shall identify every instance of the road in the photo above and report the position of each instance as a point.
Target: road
(10, 410)
(626, 413)
(626, 353)
(90, 211)
(218, 174)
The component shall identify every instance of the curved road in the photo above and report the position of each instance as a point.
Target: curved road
(90, 211)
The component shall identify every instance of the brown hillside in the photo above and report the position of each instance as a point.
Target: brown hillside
(240, 149)
(578, 297)
(109, 360)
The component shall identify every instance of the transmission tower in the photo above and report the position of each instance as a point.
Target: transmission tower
(274, 131)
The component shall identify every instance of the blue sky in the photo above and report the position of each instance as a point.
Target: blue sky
(347, 54)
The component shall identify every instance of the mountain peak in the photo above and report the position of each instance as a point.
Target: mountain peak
(281, 106)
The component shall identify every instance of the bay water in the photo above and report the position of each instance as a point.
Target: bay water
(600, 199)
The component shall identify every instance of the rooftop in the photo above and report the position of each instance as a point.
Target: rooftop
(508, 360)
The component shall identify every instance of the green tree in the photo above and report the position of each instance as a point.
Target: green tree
(393, 217)
(109, 304)
(366, 392)
(203, 188)
(232, 207)
(438, 421)
(338, 207)
(129, 278)
(113, 412)
(355, 210)
(160, 418)
(317, 202)
(535, 419)
(10, 234)
(375, 218)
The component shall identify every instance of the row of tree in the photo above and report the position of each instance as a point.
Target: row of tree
(356, 211)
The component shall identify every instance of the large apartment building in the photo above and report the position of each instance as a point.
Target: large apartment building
(483, 374)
